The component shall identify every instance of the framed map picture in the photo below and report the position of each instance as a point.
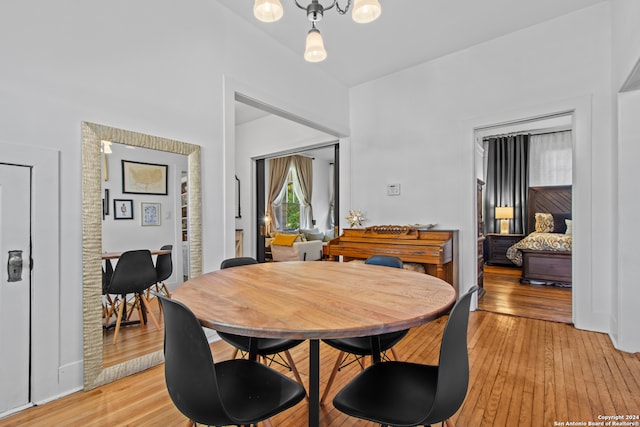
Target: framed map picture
(144, 178)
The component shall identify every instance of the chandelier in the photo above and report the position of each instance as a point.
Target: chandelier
(364, 11)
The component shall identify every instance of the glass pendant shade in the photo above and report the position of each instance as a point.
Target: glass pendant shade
(365, 11)
(267, 10)
(315, 51)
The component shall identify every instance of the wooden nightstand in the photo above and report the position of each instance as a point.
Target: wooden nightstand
(496, 246)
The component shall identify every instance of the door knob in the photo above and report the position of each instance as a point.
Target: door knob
(14, 266)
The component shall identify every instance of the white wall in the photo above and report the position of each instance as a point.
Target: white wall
(415, 128)
(626, 53)
(151, 66)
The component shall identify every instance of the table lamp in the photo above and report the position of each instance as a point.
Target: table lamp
(504, 214)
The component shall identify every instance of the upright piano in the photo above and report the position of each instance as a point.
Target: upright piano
(436, 250)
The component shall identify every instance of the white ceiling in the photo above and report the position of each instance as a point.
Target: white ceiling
(408, 33)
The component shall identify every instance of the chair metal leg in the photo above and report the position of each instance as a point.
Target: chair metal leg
(295, 371)
(334, 371)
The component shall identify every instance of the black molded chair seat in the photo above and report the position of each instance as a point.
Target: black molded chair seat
(394, 393)
(263, 346)
(134, 274)
(409, 394)
(384, 260)
(237, 262)
(237, 391)
(361, 346)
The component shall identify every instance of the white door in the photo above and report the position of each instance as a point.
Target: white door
(15, 286)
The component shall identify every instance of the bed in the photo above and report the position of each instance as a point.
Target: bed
(545, 253)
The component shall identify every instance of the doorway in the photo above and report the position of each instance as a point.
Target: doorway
(262, 132)
(326, 207)
(504, 291)
(15, 287)
(44, 374)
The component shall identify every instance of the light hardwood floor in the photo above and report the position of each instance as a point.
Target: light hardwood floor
(505, 295)
(524, 372)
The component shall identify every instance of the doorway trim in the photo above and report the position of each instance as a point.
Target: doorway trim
(45, 285)
(585, 312)
(236, 91)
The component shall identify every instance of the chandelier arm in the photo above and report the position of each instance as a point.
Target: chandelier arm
(342, 11)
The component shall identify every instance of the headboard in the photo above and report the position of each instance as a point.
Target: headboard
(552, 199)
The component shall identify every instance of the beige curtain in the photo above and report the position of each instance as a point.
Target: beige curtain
(303, 177)
(278, 172)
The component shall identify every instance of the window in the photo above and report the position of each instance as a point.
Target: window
(287, 212)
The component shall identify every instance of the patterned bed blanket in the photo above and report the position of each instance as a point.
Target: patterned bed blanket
(557, 242)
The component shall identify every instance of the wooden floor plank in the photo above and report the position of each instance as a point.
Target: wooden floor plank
(535, 368)
(515, 372)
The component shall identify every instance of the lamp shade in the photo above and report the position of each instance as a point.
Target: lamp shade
(267, 10)
(505, 212)
(315, 51)
(365, 11)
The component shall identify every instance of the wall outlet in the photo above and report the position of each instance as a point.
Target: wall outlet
(393, 189)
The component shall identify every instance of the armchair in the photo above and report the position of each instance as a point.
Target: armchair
(298, 251)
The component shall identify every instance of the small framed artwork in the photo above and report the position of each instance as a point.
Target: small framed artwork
(238, 213)
(122, 209)
(144, 178)
(106, 201)
(149, 213)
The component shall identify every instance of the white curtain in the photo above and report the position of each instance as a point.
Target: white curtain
(550, 160)
(303, 186)
(278, 173)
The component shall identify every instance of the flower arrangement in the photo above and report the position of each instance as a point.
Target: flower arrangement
(355, 218)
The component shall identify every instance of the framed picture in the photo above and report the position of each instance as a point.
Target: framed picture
(122, 209)
(106, 201)
(238, 213)
(149, 213)
(144, 178)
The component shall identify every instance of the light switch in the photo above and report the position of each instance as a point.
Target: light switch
(393, 189)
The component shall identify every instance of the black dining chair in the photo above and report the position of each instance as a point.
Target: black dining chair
(267, 348)
(233, 392)
(108, 301)
(410, 394)
(361, 346)
(134, 274)
(385, 260)
(164, 269)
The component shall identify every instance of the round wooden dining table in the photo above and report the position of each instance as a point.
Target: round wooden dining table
(314, 300)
